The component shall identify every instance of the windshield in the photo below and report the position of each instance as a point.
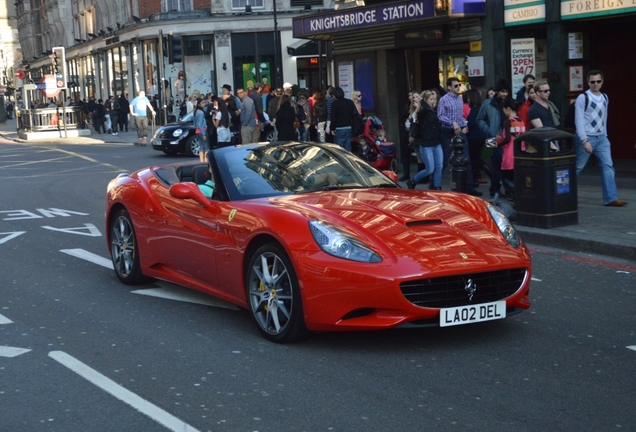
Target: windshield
(263, 170)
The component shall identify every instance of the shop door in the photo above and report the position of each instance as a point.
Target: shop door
(614, 45)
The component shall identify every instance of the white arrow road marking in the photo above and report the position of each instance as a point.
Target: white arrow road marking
(535, 279)
(7, 351)
(176, 292)
(4, 320)
(632, 347)
(10, 235)
(89, 256)
(143, 406)
(87, 230)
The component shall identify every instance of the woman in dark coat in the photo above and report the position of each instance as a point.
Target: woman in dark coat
(285, 118)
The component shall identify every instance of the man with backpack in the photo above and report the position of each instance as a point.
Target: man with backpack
(590, 119)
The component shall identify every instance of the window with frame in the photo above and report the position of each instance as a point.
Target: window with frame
(240, 4)
(178, 5)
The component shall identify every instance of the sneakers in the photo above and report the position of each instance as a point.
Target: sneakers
(616, 203)
(410, 184)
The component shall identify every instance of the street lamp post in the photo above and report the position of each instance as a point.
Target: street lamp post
(276, 68)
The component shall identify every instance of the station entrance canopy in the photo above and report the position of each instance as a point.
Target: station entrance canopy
(322, 26)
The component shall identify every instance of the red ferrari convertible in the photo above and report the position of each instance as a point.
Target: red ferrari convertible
(308, 237)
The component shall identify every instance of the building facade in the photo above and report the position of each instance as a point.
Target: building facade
(118, 46)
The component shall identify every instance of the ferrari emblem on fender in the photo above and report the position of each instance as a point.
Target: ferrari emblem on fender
(231, 216)
(470, 288)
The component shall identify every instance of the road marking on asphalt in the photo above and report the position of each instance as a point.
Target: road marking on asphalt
(89, 256)
(7, 351)
(87, 230)
(632, 347)
(4, 320)
(10, 235)
(176, 292)
(123, 394)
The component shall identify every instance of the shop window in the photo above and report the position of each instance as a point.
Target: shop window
(253, 59)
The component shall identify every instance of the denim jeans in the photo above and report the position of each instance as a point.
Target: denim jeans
(342, 137)
(433, 158)
(601, 148)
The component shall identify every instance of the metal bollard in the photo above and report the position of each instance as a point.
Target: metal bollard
(459, 163)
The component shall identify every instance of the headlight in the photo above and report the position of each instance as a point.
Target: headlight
(177, 133)
(336, 243)
(504, 225)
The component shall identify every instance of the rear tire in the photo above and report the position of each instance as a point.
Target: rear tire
(274, 296)
(124, 251)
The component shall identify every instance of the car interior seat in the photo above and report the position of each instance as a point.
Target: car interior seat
(200, 174)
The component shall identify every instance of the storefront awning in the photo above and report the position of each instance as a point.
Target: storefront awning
(303, 47)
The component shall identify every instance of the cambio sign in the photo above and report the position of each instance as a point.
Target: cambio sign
(523, 12)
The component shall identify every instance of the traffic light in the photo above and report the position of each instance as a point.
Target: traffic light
(59, 67)
(175, 49)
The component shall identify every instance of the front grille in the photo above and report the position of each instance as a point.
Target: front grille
(450, 291)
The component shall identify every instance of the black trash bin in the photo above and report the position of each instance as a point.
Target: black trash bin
(545, 178)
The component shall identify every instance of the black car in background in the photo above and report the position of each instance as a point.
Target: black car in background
(178, 137)
(181, 137)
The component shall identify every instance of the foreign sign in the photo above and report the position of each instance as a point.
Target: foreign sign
(573, 9)
(522, 60)
(30, 86)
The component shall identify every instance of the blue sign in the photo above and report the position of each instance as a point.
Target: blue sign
(562, 181)
(356, 18)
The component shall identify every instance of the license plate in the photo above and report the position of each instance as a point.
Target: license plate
(472, 314)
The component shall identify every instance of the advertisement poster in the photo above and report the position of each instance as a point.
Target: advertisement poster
(575, 74)
(522, 55)
(476, 66)
(345, 78)
(249, 75)
(575, 46)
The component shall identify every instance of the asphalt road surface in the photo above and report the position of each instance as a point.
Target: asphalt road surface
(79, 351)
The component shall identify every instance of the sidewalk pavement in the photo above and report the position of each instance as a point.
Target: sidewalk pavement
(609, 231)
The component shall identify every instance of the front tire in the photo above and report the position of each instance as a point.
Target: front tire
(193, 146)
(274, 296)
(124, 251)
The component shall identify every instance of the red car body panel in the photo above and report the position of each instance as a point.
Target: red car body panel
(418, 235)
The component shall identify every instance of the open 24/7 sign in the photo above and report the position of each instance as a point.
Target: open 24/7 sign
(522, 61)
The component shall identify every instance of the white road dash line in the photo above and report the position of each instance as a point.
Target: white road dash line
(143, 406)
(5, 320)
(175, 292)
(7, 351)
(89, 256)
(631, 347)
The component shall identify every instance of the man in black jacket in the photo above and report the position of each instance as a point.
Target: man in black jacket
(340, 118)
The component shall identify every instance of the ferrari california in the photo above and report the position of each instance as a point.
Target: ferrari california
(309, 238)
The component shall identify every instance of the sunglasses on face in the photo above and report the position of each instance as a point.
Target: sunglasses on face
(596, 82)
(544, 91)
(456, 85)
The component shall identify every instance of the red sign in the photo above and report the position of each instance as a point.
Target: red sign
(51, 89)
(20, 74)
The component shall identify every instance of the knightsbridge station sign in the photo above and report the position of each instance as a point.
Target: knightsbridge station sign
(363, 17)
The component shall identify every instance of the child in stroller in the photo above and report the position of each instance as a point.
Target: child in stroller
(383, 149)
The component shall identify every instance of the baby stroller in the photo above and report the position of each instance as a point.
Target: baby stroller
(384, 150)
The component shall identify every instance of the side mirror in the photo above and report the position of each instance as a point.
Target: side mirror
(189, 190)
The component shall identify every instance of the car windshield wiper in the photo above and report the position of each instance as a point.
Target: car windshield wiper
(338, 187)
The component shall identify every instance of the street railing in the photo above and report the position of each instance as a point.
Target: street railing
(48, 119)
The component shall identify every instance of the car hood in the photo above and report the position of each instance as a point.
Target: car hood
(444, 229)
